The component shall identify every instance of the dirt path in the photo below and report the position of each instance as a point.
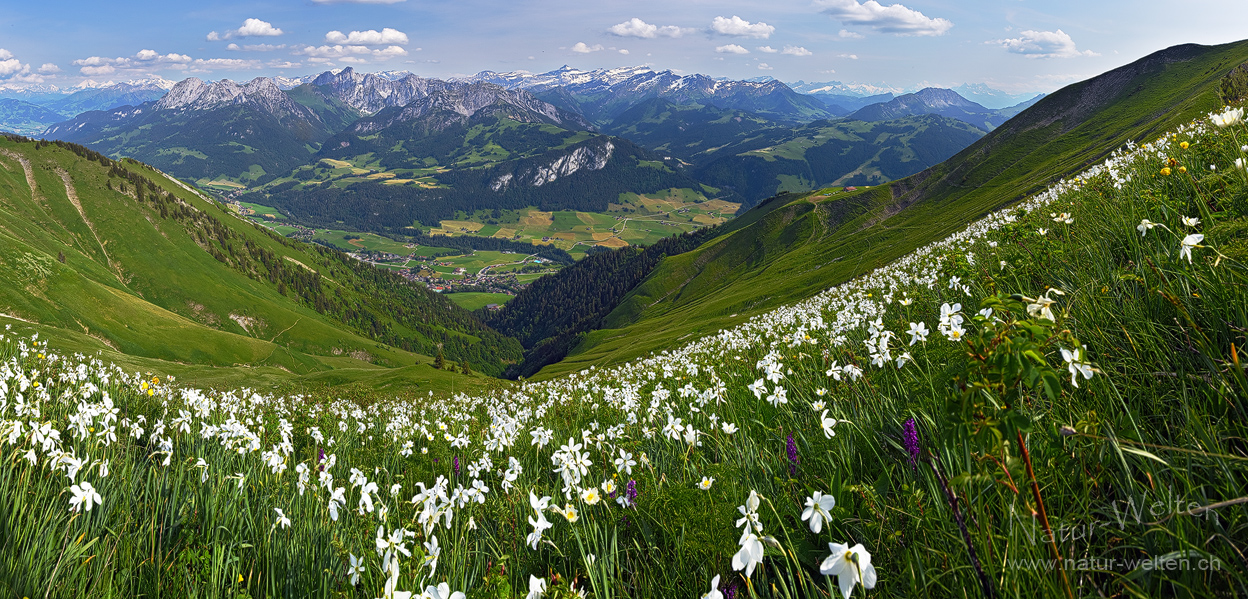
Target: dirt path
(30, 172)
(72, 194)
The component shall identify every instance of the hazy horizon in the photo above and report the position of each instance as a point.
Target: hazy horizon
(1017, 47)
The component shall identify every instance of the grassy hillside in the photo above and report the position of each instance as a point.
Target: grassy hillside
(826, 153)
(1050, 402)
(117, 253)
(796, 246)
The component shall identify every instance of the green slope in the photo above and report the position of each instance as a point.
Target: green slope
(116, 257)
(825, 153)
(795, 246)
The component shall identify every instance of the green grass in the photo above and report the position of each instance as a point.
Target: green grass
(365, 241)
(939, 466)
(476, 300)
(267, 213)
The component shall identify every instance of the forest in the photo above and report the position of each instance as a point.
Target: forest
(550, 315)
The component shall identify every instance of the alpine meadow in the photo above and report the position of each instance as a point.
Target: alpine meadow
(623, 332)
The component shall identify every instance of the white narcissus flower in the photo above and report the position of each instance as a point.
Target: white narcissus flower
(84, 496)
(357, 568)
(1191, 221)
(827, 424)
(1228, 117)
(537, 588)
(282, 520)
(818, 509)
(850, 565)
(442, 591)
(714, 592)
(1189, 242)
(1041, 305)
(750, 555)
(1076, 366)
(918, 332)
(432, 553)
(624, 464)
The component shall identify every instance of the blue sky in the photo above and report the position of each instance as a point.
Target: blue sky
(1015, 45)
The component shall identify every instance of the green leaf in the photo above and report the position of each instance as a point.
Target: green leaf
(1141, 452)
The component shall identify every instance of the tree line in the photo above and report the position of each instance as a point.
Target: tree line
(551, 315)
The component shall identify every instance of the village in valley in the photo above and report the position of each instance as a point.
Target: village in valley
(476, 279)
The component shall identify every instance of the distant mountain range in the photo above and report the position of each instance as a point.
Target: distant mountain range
(416, 149)
(201, 129)
(979, 93)
(31, 110)
(603, 94)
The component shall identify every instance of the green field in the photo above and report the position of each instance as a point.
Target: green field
(262, 212)
(634, 220)
(476, 301)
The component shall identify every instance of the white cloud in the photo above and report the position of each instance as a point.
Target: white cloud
(894, 18)
(150, 56)
(49, 69)
(350, 53)
(731, 49)
(849, 56)
(371, 37)
(250, 28)
(850, 35)
(1043, 44)
(211, 64)
(143, 59)
(742, 28)
(767, 49)
(254, 47)
(581, 48)
(762, 66)
(623, 51)
(796, 51)
(12, 69)
(635, 27)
